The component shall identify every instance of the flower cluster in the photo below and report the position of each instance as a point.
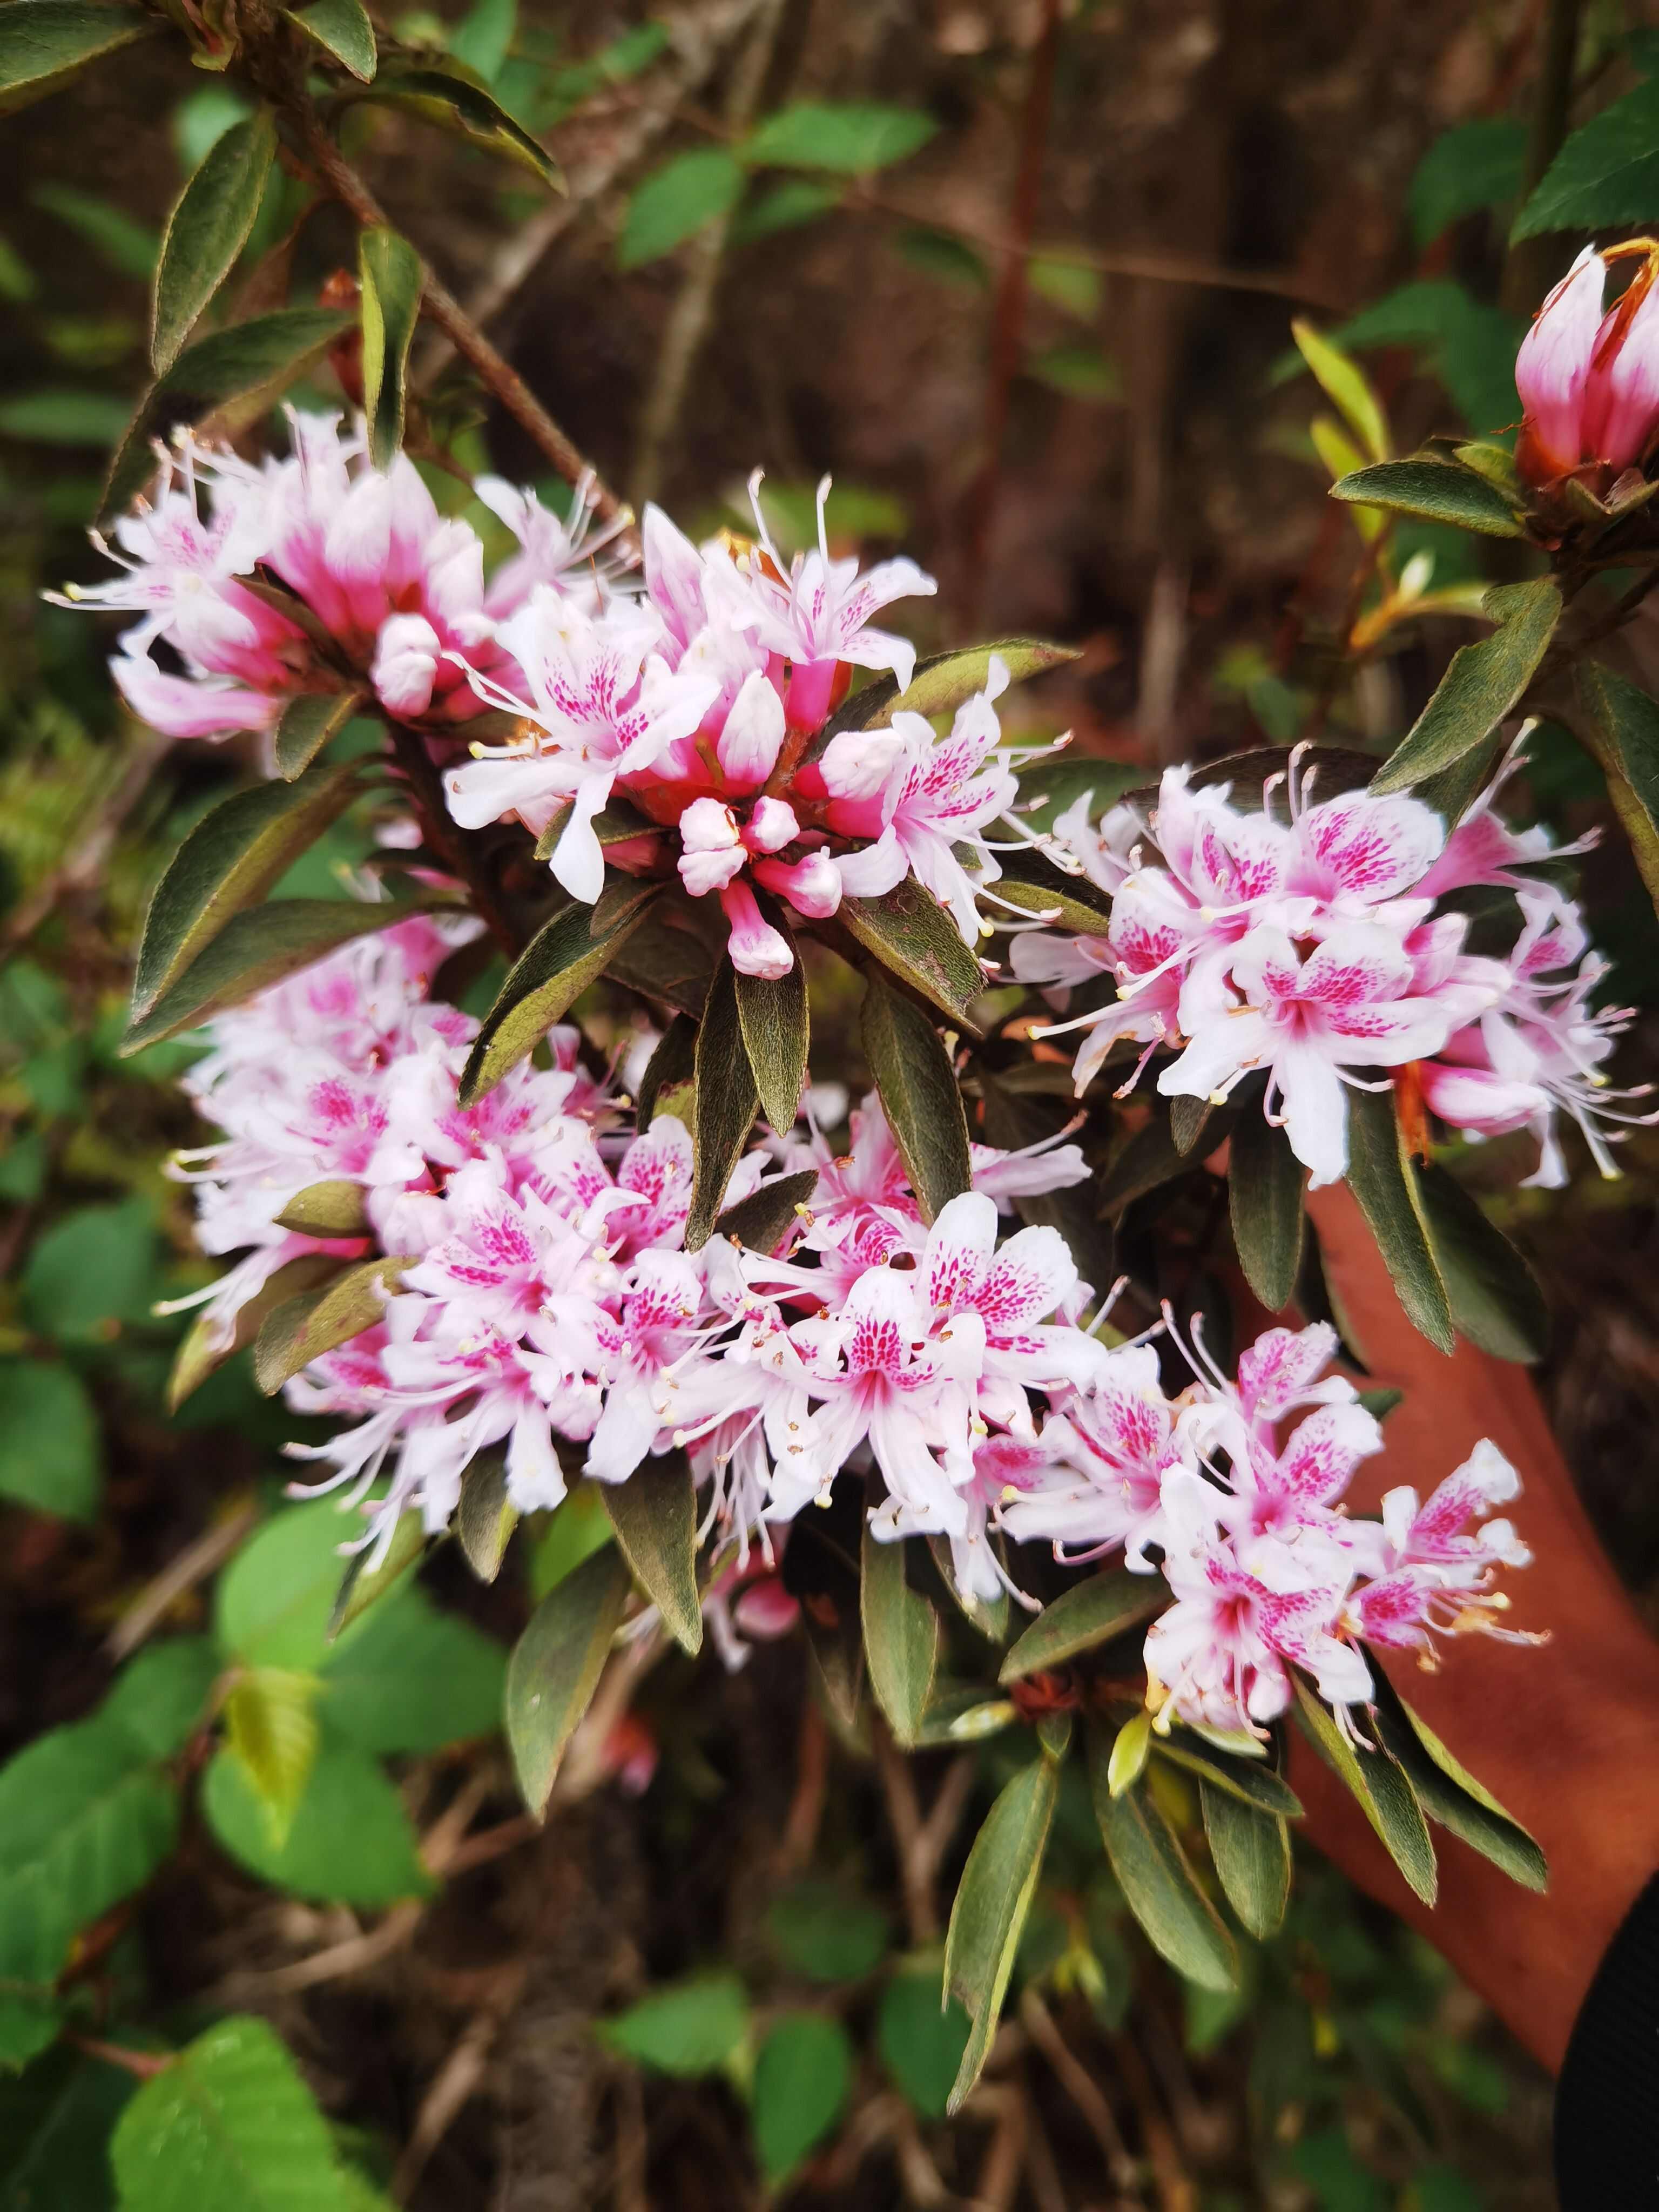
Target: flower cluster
(1313, 945)
(1589, 380)
(539, 1297)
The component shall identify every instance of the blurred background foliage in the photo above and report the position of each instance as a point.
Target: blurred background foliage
(1023, 276)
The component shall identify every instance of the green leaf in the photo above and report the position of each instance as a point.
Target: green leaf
(128, 248)
(350, 1842)
(229, 2124)
(341, 28)
(782, 207)
(827, 1933)
(1251, 1850)
(727, 1098)
(851, 138)
(254, 949)
(248, 362)
(654, 1514)
(1468, 344)
(1151, 1158)
(960, 1712)
(1248, 1779)
(229, 862)
(92, 1271)
(1131, 1748)
(997, 1886)
(803, 2073)
(901, 1636)
(416, 1679)
(686, 2028)
(63, 418)
(1069, 903)
(555, 1666)
(1384, 1179)
(564, 957)
(51, 1452)
(1091, 1612)
(1380, 1786)
(334, 1208)
(1264, 1194)
(1345, 385)
(1484, 684)
(466, 109)
(55, 2125)
(207, 231)
(1606, 176)
(161, 1698)
(392, 279)
(671, 1064)
(760, 1221)
(772, 1016)
(921, 2046)
(303, 1329)
(918, 1085)
(1450, 1794)
(369, 1578)
(43, 43)
(677, 201)
(578, 1526)
(988, 1615)
(1158, 1886)
(1618, 724)
(1495, 1299)
(484, 38)
(1435, 490)
(908, 931)
(484, 1515)
(273, 1603)
(1478, 164)
(1081, 372)
(201, 1349)
(270, 1727)
(944, 682)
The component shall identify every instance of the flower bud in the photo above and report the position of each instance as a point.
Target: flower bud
(1588, 381)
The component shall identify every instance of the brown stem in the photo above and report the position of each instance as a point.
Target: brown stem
(146, 2064)
(443, 838)
(438, 304)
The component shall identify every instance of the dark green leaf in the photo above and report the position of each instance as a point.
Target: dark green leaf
(988, 1916)
(456, 104)
(1483, 686)
(1188, 1119)
(1158, 1886)
(43, 43)
(202, 1349)
(1089, 1613)
(564, 957)
(392, 278)
(303, 1328)
(341, 28)
(772, 1014)
(654, 1514)
(1450, 1794)
(208, 229)
(919, 1094)
(1385, 1181)
(334, 1208)
(1606, 175)
(850, 137)
(687, 2028)
(761, 1220)
(368, 1577)
(988, 1615)
(1381, 1788)
(1434, 490)
(1264, 1194)
(55, 2124)
(229, 861)
(1478, 164)
(802, 2076)
(1250, 1779)
(1495, 1299)
(1251, 1850)
(484, 1515)
(675, 201)
(1150, 1159)
(1033, 883)
(52, 1454)
(921, 2047)
(672, 1063)
(249, 363)
(910, 932)
(901, 1636)
(727, 1098)
(828, 1934)
(1618, 724)
(555, 1666)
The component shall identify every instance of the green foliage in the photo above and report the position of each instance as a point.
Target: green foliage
(390, 278)
(1606, 175)
(1264, 1182)
(1478, 164)
(349, 1840)
(44, 43)
(772, 1014)
(654, 1514)
(1435, 490)
(726, 1101)
(207, 231)
(90, 1273)
(1090, 1613)
(822, 1931)
(677, 201)
(343, 30)
(1468, 344)
(922, 2044)
(466, 109)
(850, 137)
(803, 2073)
(1158, 1880)
(918, 1085)
(901, 1636)
(992, 1901)
(51, 1449)
(688, 2028)
(554, 969)
(555, 1666)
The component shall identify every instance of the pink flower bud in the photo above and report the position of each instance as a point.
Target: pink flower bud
(713, 850)
(772, 826)
(406, 664)
(753, 735)
(1589, 381)
(812, 886)
(755, 947)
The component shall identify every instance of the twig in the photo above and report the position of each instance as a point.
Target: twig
(443, 838)
(945, 1814)
(193, 1565)
(1040, 2170)
(1175, 2189)
(1005, 2160)
(583, 1767)
(628, 2190)
(336, 174)
(457, 2079)
(694, 309)
(333, 1965)
(82, 866)
(904, 1816)
(1008, 312)
(800, 1829)
(1081, 2087)
(145, 2064)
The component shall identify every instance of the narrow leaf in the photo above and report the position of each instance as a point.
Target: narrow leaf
(334, 1208)
(1264, 1193)
(1188, 1119)
(1384, 1180)
(303, 1328)
(1618, 724)
(998, 1884)
(919, 1094)
(341, 28)
(229, 861)
(654, 1514)
(1251, 1850)
(988, 1615)
(1151, 1158)
(1344, 384)
(43, 43)
(1434, 490)
(456, 104)
(901, 1636)
(1158, 1885)
(308, 721)
(555, 1666)
(203, 1349)
(1380, 1785)
(1494, 1295)
(726, 1101)
(367, 1579)
(208, 229)
(772, 1014)
(671, 1065)
(564, 957)
(1249, 1779)
(1088, 1614)
(910, 932)
(392, 278)
(944, 682)
(484, 1515)
(1451, 1795)
(1484, 684)
(761, 1220)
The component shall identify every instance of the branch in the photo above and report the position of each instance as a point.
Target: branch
(445, 839)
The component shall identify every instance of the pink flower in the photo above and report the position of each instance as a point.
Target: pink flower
(1589, 381)
(1108, 1454)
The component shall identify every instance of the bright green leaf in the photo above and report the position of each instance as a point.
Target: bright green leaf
(52, 1455)
(161, 1698)
(675, 201)
(91, 1271)
(1345, 386)
(849, 136)
(1606, 175)
(803, 2073)
(414, 1678)
(350, 1842)
(392, 279)
(270, 1727)
(688, 2028)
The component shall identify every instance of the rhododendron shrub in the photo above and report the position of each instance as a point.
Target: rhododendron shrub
(534, 1197)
